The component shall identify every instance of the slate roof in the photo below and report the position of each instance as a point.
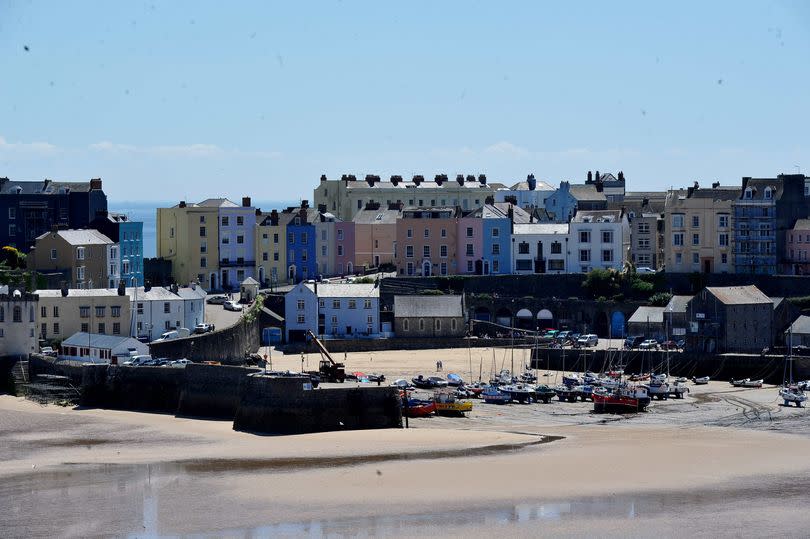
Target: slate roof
(190, 293)
(655, 315)
(541, 228)
(597, 216)
(79, 293)
(250, 280)
(96, 340)
(739, 295)
(427, 306)
(802, 224)
(37, 187)
(801, 326)
(678, 304)
(758, 186)
(376, 217)
(81, 237)
(156, 293)
(524, 186)
(345, 290)
(586, 193)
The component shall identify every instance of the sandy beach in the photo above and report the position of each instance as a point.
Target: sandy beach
(697, 466)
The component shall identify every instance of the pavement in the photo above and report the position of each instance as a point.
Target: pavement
(217, 315)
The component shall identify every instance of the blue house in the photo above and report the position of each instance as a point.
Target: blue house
(302, 263)
(33, 208)
(129, 235)
(496, 227)
(563, 203)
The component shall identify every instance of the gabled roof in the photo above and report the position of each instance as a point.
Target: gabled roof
(802, 224)
(191, 293)
(801, 326)
(758, 187)
(250, 280)
(653, 315)
(524, 186)
(427, 306)
(345, 290)
(81, 237)
(156, 293)
(739, 295)
(79, 293)
(597, 216)
(678, 304)
(586, 193)
(541, 228)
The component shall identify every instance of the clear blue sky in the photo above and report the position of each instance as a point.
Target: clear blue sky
(170, 100)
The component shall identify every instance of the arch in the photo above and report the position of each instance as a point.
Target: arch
(421, 324)
(524, 319)
(503, 316)
(545, 314)
(291, 273)
(601, 324)
(483, 314)
(524, 313)
(617, 325)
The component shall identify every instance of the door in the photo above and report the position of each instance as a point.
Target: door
(707, 266)
(426, 269)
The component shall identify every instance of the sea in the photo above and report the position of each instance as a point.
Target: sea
(146, 212)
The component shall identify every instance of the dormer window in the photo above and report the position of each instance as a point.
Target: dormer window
(749, 193)
(768, 193)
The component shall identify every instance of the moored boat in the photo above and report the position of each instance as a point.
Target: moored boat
(567, 393)
(746, 382)
(543, 393)
(418, 408)
(493, 395)
(521, 393)
(700, 381)
(791, 394)
(447, 405)
(627, 398)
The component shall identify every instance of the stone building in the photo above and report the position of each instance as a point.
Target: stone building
(17, 322)
(428, 316)
(87, 258)
(797, 248)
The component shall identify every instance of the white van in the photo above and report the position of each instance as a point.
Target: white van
(173, 334)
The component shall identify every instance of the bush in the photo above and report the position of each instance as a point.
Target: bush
(602, 282)
(641, 288)
(661, 299)
(431, 293)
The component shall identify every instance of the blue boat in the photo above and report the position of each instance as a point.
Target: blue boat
(493, 395)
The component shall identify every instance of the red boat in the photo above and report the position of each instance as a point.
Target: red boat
(621, 400)
(418, 408)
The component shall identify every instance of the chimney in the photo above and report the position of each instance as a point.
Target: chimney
(258, 212)
(193, 285)
(147, 286)
(470, 178)
(482, 179)
(596, 176)
(323, 177)
(302, 213)
(395, 179)
(371, 179)
(645, 201)
(532, 182)
(274, 218)
(305, 204)
(715, 185)
(65, 290)
(182, 204)
(322, 208)
(418, 179)
(245, 202)
(489, 200)
(510, 213)
(460, 179)
(440, 178)
(95, 184)
(689, 192)
(590, 177)
(352, 178)
(122, 288)
(512, 199)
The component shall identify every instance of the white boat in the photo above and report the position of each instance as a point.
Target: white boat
(790, 392)
(657, 390)
(658, 378)
(747, 382)
(701, 381)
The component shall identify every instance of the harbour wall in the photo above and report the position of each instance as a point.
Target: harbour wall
(291, 406)
(227, 346)
(212, 390)
(338, 346)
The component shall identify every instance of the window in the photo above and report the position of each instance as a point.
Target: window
(409, 233)
(53, 254)
(80, 273)
(300, 319)
(352, 304)
(444, 232)
(339, 234)
(225, 221)
(339, 250)
(167, 325)
(722, 221)
(323, 250)
(409, 251)
(556, 265)
(496, 266)
(203, 262)
(303, 256)
(695, 221)
(443, 251)
(607, 255)
(496, 248)
(644, 228)
(723, 240)
(43, 330)
(405, 325)
(523, 248)
(695, 258)
(644, 243)
(723, 258)
(240, 240)
(677, 221)
(17, 314)
(584, 236)
(166, 307)
(321, 303)
(749, 193)
(43, 312)
(202, 219)
(409, 268)
(275, 238)
(427, 232)
(116, 328)
(300, 304)
(443, 268)
(240, 220)
(101, 328)
(367, 304)
(84, 312)
(226, 240)
(336, 304)
(421, 324)
(304, 238)
(202, 231)
(100, 311)
(12, 213)
(469, 232)
(584, 255)
(55, 311)
(695, 239)
(426, 251)
(470, 251)
(80, 253)
(437, 324)
(265, 257)
(291, 237)
(556, 248)
(768, 193)
(359, 204)
(677, 240)
(275, 257)
(678, 258)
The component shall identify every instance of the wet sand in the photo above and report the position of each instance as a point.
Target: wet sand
(722, 462)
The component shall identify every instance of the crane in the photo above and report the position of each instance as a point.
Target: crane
(329, 369)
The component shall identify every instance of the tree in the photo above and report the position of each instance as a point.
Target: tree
(602, 282)
(12, 258)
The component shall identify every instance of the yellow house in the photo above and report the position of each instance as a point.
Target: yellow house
(271, 249)
(188, 235)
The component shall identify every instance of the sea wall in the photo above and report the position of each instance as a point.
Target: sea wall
(212, 390)
(338, 346)
(290, 406)
(227, 346)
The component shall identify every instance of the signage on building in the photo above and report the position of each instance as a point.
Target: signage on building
(700, 316)
(693, 327)
(679, 331)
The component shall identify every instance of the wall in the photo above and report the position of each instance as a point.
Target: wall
(282, 405)
(226, 345)
(212, 390)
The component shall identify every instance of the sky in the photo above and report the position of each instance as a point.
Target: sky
(190, 100)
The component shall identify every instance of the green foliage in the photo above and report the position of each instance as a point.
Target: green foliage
(640, 287)
(661, 299)
(802, 302)
(364, 280)
(431, 293)
(618, 297)
(602, 282)
(12, 258)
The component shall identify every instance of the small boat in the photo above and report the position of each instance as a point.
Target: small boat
(681, 380)
(627, 398)
(804, 385)
(493, 395)
(571, 380)
(521, 393)
(566, 393)
(528, 378)
(678, 390)
(792, 394)
(418, 408)
(701, 381)
(504, 377)
(447, 405)
(746, 382)
(544, 393)
(454, 380)
(658, 378)
(431, 382)
(639, 377)
(590, 378)
(609, 383)
(657, 390)
(375, 377)
(475, 389)
(585, 392)
(401, 383)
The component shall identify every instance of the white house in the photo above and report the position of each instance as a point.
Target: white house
(539, 248)
(18, 322)
(339, 310)
(157, 309)
(528, 194)
(599, 239)
(95, 348)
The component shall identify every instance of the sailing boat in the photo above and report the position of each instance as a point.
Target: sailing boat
(790, 392)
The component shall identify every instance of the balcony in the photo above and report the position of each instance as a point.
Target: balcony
(238, 263)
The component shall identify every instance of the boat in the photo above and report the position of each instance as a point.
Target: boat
(590, 378)
(454, 380)
(790, 392)
(504, 377)
(418, 407)
(701, 381)
(475, 389)
(493, 395)
(566, 393)
(678, 390)
(681, 380)
(571, 380)
(746, 382)
(639, 377)
(431, 382)
(657, 390)
(528, 378)
(585, 392)
(624, 399)
(658, 378)
(543, 393)
(521, 393)
(447, 405)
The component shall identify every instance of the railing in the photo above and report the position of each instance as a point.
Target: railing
(236, 263)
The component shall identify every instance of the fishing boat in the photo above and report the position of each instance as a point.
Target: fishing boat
(657, 390)
(493, 395)
(627, 398)
(700, 381)
(790, 392)
(447, 405)
(431, 382)
(567, 393)
(418, 407)
(543, 393)
(521, 393)
(585, 392)
(746, 382)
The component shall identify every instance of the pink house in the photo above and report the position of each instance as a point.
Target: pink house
(797, 247)
(344, 247)
(470, 250)
(426, 241)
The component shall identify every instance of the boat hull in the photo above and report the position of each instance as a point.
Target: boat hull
(612, 403)
(453, 408)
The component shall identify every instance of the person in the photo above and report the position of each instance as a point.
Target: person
(437, 366)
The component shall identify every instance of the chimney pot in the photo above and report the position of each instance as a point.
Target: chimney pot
(245, 202)
(182, 203)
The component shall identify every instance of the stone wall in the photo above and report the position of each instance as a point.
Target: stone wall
(285, 406)
(227, 346)
(212, 390)
(338, 346)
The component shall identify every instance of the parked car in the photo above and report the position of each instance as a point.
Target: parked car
(203, 328)
(669, 345)
(136, 360)
(633, 341)
(649, 344)
(219, 299)
(173, 334)
(180, 363)
(47, 351)
(232, 306)
(645, 270)
(588, 340)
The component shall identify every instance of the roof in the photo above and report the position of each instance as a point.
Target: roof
(541, 228)
(597, 216)
(449, 184)
(345, 290)
(271, 314)
(210, 203)
(739, 295)
(427, 306)
(653, 315)
(250, 280)
(96, 340)
(156, 293)
(79, 293)
(191, 293)
(758, 186)
(376, 217)
(41, 187)
(720, 193)
(800, 326)
(81, 237)
(678, 304)
(586, 192)
(283, 218)
(802, 224)
(524, 186)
